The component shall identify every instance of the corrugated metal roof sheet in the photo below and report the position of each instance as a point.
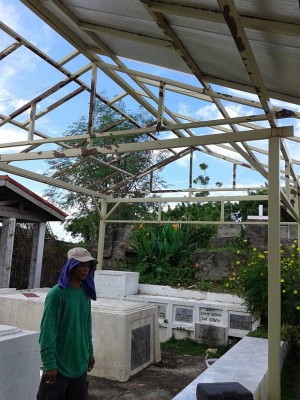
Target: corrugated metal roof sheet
(272, 29)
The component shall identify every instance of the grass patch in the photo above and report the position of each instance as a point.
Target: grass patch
(261, 332)
(190, 347)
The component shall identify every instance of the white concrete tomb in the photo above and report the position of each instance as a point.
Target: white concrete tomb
(125, 333)
(116, 284)
(19, 363)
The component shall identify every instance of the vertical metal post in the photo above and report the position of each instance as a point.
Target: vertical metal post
(222, 210)
(92, 101)
(101, 238)
(297, 199)
(274, 273)
(32, 116)
(287, 179)
(191, 172)
(6, 247)
(38, 241)
(160, 111)
(234, 176)
(159, 213)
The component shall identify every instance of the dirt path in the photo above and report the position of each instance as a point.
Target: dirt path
(161, 381)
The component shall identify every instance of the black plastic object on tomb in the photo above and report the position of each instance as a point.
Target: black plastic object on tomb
(223, 391)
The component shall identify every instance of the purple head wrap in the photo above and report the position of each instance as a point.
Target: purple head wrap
(88, 284)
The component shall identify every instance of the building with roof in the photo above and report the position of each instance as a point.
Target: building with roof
(19, 204)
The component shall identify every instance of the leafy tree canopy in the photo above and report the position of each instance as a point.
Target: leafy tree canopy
(113, 174)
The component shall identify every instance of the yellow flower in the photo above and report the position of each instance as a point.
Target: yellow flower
(282, 280)
(238, 252)
(295, 291)
(298, 308)
(281, 251)
(227, 284)
(284, 291)
(238, 262)
(261, 256)
(293, 246)
(245, 240)
(254, 249)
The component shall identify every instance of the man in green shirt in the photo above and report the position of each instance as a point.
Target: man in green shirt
(66, 330)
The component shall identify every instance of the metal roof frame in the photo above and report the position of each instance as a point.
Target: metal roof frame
(251, 47)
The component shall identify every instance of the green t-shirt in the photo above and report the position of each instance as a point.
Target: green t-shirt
(66, 331)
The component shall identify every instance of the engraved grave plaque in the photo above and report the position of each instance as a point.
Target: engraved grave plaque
(140, 346)
(211, 316)
(241, 322)
(184, 315)
(162, 311)
(211, 335)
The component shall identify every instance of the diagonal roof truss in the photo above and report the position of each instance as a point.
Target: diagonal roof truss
(158, 31)
(236, 54)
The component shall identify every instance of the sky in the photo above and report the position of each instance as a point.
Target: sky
(24, 76)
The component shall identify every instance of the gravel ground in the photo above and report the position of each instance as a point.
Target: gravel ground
(161, 381)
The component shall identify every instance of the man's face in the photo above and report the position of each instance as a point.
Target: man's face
(80, 272)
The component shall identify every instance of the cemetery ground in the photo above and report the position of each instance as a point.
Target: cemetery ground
(182, 361)
(161, 381)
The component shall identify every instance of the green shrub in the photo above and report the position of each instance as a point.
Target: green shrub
(251, 282)
(163, 255)
(291, 334)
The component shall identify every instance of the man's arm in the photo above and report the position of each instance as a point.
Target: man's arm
(48, 335)
(91, 349)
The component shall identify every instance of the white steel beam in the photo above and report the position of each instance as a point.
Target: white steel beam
(274, 275)
(152, 145)
(48, 181)
(183, 199)
(164, 128)
(240, 38)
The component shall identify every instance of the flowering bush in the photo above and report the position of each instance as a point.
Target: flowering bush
(251, 282)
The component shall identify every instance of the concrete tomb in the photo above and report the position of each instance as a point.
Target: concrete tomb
(125, 333)
(116, 284)
(202, 316)
(19, 363)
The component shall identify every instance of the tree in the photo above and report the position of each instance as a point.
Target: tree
(203, 179)
(241, 210)
(111, 174)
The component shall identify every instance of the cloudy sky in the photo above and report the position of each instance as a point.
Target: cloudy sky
(24, 76)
